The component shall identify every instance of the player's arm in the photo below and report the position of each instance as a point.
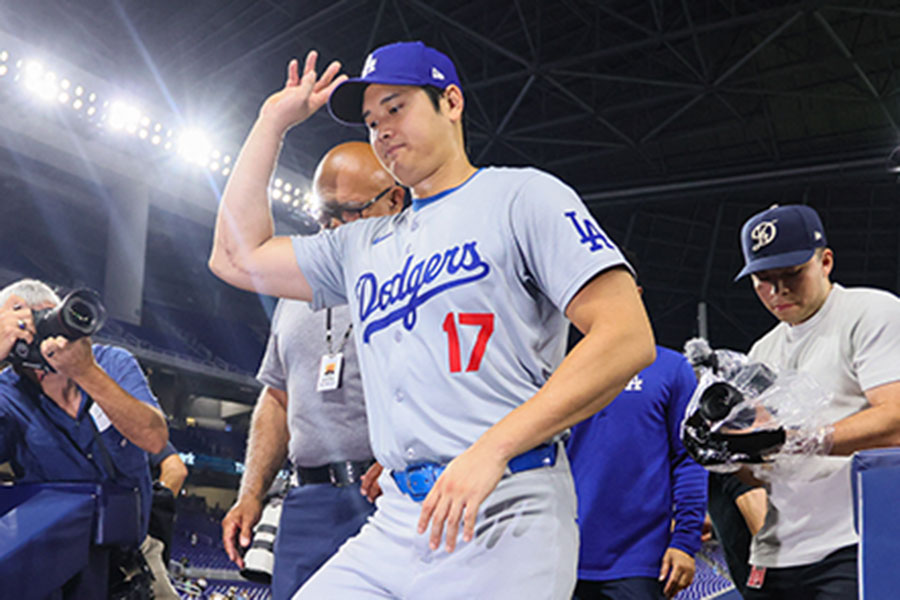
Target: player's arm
(266, 452)
(878, 426)
(140, 423)
(245, 251)
(618, 342)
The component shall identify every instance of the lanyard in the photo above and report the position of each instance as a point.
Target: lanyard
(328, 333)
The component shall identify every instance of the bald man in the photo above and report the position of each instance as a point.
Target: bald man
(311, 408)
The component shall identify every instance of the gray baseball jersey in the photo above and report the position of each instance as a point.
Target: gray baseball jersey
(325, 426)
(458, 304)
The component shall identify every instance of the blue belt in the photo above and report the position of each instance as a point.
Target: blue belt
(417, 480)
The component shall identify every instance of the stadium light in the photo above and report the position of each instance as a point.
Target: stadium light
(194, 147)
(99, 108)
(123, 116)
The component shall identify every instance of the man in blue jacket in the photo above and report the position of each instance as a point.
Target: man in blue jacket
(633, 477)
(93, 419)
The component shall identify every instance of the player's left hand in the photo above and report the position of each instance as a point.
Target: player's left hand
(369, 486)
(70, 358)
(678, 566)
(458, 492)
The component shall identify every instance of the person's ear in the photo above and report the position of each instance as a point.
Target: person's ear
(395, 199)
(455, 102)
(827, 261)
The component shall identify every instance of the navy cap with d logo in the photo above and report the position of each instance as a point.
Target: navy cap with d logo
(782, 236)
(403, 63)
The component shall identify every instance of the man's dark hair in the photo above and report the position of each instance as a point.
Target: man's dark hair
(434, 94)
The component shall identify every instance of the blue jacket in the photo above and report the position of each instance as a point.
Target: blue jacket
(33, 432)
(633, 476)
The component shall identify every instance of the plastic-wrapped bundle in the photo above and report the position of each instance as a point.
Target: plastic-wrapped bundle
(744, 413)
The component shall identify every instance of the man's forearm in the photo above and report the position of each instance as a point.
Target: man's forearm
(140, 423)
(244, 221)
(875, 427)
(266, 446)
(618, 343)
(579, 388)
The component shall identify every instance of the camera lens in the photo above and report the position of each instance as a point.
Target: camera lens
(80, 315)
(718, 400)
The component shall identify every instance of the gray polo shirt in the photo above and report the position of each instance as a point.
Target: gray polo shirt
(324, 426)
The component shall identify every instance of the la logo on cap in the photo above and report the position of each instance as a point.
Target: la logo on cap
(435, 74)
(369, 67)
(763, 234)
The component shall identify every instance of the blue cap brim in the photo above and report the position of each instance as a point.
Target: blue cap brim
(345, 102)
(779, 261)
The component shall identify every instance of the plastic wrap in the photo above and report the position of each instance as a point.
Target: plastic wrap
(746, 413)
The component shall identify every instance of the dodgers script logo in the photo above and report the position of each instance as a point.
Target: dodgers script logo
(763, 234)
(415, 284)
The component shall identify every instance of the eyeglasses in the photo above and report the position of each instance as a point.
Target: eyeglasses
(337, 210)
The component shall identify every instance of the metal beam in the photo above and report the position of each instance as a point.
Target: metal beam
(316, 19)
(637, 195)
(859, 71)
(650, 42)
(765, 42)
(711, 252)
(509, 113)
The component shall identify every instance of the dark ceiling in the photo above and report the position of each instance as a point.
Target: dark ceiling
(675, 120)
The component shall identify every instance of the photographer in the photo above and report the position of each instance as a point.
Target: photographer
(75, 412)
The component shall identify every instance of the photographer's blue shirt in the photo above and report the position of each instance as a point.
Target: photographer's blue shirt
(633, 476)
(44, 444)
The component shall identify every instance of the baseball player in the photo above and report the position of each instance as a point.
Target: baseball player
(320, 425)
(849, 340)
(459, 311)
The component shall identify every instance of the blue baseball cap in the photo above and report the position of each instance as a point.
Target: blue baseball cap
(779, 237)
(403, 63)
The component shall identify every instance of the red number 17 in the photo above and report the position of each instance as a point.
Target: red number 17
(483, 320)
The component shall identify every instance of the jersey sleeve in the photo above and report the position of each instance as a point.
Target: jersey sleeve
(561, 244)
(271, 369)
(876, 342)
(689, 479)
(321, 260)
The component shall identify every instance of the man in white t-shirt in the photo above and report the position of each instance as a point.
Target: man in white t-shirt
(849, 340)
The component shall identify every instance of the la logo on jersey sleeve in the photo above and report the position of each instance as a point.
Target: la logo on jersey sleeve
(590, 233)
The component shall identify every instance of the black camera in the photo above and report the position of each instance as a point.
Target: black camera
(80, 314)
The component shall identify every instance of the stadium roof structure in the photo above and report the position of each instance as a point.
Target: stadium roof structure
(675, 121)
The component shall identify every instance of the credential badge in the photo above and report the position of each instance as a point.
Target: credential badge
(369, 67)
(763, 234)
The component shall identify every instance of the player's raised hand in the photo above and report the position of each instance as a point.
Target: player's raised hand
(302, 94)
(237, 527)
(457, 494)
